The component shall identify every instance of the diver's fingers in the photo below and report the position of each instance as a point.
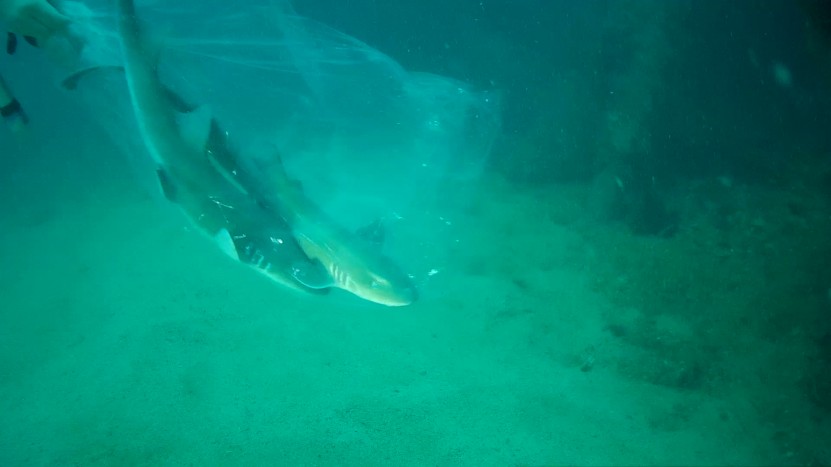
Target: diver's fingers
(11, 43)
(46, 15)
(39, 20)
(10, 109)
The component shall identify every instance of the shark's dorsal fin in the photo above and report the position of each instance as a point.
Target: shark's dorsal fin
(223, 158)
(178, 102)
(217, 144)
(372, 233)
(168, 188)
(275, 172)
(195, 127)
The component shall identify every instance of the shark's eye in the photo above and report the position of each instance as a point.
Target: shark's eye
(375, 284)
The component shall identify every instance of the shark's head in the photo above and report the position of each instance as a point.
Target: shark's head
(383, 283)
(389, 291)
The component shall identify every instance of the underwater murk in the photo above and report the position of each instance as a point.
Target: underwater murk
(415, 233)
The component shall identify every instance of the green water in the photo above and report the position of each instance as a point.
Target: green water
(600, 295)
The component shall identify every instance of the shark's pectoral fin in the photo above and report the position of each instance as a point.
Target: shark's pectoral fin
(312, 274)
(168, 188)
(226, 243)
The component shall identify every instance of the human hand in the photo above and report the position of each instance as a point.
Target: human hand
(37, 19)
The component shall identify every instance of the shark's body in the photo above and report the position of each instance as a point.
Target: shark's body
(222, 209)
(353, 263)
(260, 216)
(339, 258)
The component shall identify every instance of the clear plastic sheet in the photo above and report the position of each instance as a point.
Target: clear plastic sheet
(366, 138)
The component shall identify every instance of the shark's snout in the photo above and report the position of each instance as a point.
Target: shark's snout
(404, 296)
(386, 292)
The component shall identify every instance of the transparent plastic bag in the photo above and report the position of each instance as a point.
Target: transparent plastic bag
(366, 138)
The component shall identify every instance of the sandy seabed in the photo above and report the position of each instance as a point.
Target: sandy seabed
(126, 339)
